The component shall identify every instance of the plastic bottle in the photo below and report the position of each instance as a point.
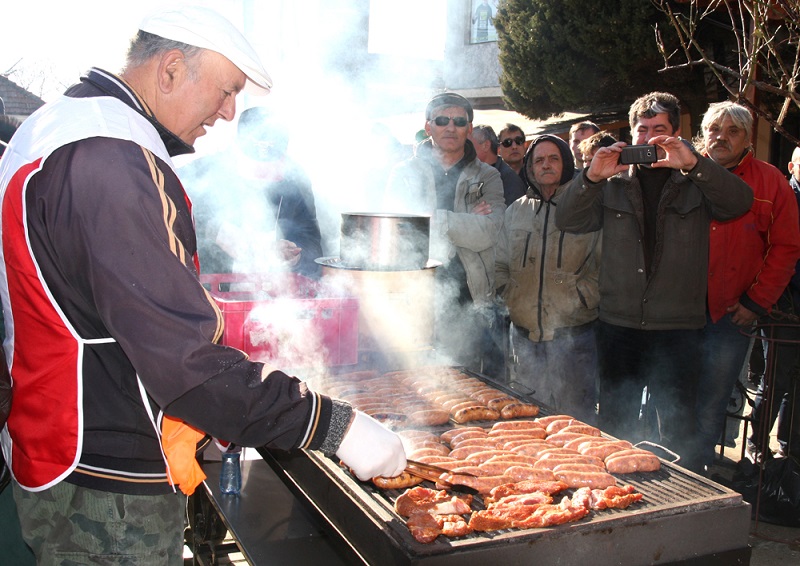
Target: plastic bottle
(230, 477)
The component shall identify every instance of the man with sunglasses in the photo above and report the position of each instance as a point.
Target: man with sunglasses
(512, 146)
(464, 197)
(485, 141)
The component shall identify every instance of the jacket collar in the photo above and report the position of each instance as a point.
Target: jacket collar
(114, 86)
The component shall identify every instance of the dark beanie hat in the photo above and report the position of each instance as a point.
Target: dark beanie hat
(566, 157)
(448, 99)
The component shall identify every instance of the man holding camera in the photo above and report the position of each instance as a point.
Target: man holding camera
(655, 217)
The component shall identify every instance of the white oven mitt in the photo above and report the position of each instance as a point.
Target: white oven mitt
(370, 449)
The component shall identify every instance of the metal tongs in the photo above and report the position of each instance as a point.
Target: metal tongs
(430, 472)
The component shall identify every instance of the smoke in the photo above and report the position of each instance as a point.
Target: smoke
(338, 75)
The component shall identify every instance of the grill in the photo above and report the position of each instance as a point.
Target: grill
(682, 518)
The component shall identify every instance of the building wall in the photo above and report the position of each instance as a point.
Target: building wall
(468, 65)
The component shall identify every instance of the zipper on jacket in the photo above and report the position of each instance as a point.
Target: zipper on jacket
(525, 252)
(542, 259)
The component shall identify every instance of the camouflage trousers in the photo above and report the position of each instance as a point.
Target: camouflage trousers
(71, 525)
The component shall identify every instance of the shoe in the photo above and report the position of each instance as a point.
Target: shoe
(753, 454)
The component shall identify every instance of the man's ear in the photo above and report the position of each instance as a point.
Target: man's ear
(171, 70)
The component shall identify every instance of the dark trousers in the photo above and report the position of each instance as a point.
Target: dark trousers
(785, 406)
(666, 362)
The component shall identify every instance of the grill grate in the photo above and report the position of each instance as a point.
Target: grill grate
(670, 523)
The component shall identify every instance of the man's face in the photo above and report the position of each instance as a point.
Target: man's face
(647, 128)
(482, 148)
(546, 165)
(449, 138)
(725, 142)
(577, 137)
(194, 104)
(514, 153)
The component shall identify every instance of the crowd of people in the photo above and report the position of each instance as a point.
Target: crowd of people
(585, 310)
(621, 294)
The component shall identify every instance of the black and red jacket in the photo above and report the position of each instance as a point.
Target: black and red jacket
(107, 325)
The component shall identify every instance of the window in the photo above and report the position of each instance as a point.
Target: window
(481, 17)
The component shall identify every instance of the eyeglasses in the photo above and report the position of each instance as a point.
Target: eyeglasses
(459, 121)
(519, 140)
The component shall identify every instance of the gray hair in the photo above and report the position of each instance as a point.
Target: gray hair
(483, 133)
(739, 115)
(144, 46)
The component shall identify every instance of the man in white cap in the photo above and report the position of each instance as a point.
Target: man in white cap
(112, 341)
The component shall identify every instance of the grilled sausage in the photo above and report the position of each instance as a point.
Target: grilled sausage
(516, 410)
(475, 414)
(561, 438)
(485, 455)
(630, 463)
(398, 482)
(545, 421)
(429, 417)
(582, 428)
(483, 484)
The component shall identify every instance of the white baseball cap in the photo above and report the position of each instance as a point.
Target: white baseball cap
(203, 27)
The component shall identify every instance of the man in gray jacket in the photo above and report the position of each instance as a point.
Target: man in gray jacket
(653, 277)
(464, 196)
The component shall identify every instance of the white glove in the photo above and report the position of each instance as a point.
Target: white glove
(370, 449)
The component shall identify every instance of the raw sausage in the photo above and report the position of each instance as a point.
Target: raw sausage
(595, 480)
(516, 425)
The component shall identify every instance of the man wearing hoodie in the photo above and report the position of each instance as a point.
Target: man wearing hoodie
(549, 281)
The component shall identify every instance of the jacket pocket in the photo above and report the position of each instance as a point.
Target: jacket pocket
(520, 242)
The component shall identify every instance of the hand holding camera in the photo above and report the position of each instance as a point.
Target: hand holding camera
(662, 151)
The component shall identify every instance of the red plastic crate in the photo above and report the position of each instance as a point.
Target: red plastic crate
(285, 319)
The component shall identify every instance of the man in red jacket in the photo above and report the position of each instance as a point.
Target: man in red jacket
(751, 260)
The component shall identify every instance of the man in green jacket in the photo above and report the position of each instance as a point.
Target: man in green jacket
(653, 277)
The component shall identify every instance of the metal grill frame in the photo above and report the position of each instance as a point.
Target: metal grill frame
(682, 516)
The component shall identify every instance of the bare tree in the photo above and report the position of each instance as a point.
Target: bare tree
(751, 48)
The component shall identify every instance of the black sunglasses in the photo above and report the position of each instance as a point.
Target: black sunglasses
(519, 140)
(459, 121)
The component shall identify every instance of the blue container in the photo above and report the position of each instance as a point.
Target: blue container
(230, 477)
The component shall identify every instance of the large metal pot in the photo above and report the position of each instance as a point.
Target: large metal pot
(396, 308)
(384, 242)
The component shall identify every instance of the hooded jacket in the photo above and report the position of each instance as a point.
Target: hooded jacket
(752, 258)
(412, 189)
(674, 296)
(548, 277)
